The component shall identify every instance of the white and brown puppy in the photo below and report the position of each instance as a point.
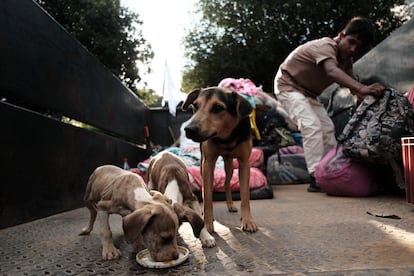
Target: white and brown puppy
(168, 174)
(149, 220)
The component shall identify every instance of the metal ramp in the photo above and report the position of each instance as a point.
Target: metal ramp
(300, 233)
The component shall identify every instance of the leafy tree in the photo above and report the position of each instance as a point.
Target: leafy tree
(149, 97)
(250, 38)
(107, 30)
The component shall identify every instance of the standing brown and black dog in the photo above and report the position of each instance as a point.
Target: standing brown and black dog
(221, 124)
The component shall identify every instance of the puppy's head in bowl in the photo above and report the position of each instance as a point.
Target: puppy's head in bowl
(155, 227)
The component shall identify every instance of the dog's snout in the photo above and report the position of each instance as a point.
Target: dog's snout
(175, 255)
(195, 133)
(167, 255)
(191, 131)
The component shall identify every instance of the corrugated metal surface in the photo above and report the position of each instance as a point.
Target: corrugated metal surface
(299, 233)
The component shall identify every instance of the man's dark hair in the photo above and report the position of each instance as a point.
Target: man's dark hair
(362, 28)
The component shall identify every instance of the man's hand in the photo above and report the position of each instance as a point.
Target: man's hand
(343, 79)
(375, 89)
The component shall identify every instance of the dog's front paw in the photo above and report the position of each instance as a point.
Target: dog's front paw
(209, 227)
(207, 240)
(110, 253)
(248, 226)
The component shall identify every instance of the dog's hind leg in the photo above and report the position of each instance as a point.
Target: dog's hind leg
(228, 166)
(92, 211)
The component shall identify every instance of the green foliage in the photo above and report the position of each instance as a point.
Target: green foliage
(250, 38)
(107, 30)
(149, 97)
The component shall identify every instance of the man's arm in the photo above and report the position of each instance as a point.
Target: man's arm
(343, 79)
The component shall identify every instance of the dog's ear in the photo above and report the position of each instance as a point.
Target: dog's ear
(190, 98)
(244, 108)
(185, 213)
(135, 223)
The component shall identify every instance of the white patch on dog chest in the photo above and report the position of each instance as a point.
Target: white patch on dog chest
(172, 191)
(141, 195)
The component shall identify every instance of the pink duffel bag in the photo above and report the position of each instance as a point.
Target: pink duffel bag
(339, 175)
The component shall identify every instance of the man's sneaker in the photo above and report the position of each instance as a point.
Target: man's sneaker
(313, 187)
